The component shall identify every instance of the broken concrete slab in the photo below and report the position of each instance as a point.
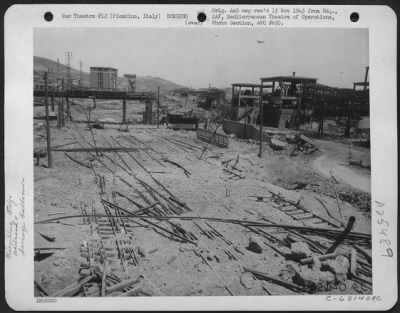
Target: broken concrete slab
(247, 280)
(291, 138)
(316, 265)
(307, 140)
(255, 244)
(288, 273)
(339, 267)
(277, 144)
(299, 250)
(313, 280)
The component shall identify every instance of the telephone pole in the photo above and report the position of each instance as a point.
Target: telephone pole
(366, 77)
(80, 73)
(158, 107)
(58, 72)
(261, 119)
(68, 55)
(49, 157)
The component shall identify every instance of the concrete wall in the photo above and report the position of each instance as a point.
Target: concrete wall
(243, 131)
(103, 78)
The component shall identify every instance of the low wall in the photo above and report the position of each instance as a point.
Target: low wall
(243, 131)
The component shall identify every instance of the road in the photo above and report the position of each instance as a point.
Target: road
(335, 159)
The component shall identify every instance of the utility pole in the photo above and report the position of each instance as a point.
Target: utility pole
(239, 100)
(52, 102)
(58, 73)
(158, 107)
(151, 110)
(80, 73)
(68, 54)
(233, 92)
(62, 103)
(366, 77)
(261, 118)
(49, 157)
(67, 101)
(124, 110)
(59, 88)
(59, 113)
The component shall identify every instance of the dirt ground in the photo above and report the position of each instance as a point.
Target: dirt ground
(214, 264)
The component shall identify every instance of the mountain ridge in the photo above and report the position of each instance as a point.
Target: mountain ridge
(143, 83)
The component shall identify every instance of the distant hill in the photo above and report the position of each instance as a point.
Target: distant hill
(143, 83)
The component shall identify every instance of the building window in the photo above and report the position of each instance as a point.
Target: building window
(113, 81)
(100, 80)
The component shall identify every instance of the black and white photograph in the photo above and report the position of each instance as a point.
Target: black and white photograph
(201, 162)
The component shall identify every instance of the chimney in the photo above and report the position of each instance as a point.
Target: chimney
(294, 74)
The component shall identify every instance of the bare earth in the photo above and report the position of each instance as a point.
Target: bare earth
(168, 265)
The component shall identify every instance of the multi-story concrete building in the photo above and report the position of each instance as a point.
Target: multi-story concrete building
(103, 77)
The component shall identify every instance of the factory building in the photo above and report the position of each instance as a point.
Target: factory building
(103, 77)
(132, 82)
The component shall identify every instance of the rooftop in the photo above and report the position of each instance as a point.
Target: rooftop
(361, 83)
(297, 79)
(246, 85)
(103, 68)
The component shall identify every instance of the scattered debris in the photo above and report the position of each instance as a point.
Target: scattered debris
(360, 163)
(42, 291)
(97, 125)
(55, 213)
(186, 172)
(77, 161)
(247, 280)
(299, 250)
(42, 153)
(326, 209)
(312, 280)
(255, 244)
(318, 259)
(347, 230)
(128, 214)
(337, 198)
(298, 186)
(48, 238)
(213, 137)
(274, 280)
(277, 144)
(303, 144)
(364, 253)
(339, 267)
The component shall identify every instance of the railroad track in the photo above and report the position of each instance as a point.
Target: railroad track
(296, 211)
(114, 249)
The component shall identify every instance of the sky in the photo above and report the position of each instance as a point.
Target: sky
(197, 57)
